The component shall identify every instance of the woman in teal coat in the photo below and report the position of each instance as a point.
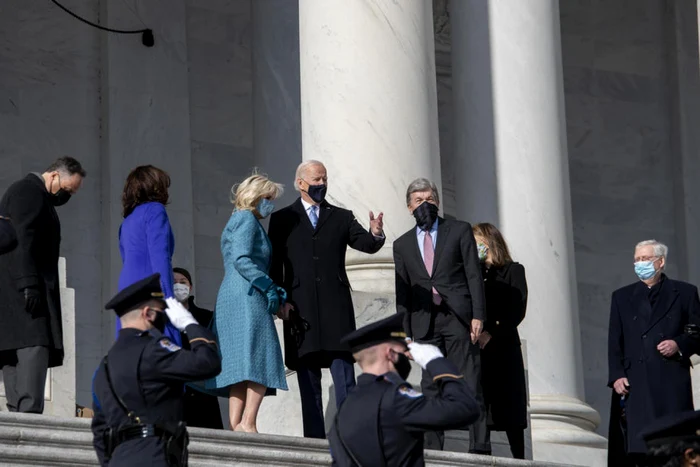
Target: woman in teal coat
(248, 300)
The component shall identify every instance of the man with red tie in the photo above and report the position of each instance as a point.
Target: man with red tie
(440, 290)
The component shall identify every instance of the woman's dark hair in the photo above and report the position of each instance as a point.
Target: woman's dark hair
(500, 254)
(143, 185)
(185, 273)
(671, 454)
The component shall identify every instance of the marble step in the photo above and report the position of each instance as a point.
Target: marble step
(39, 440)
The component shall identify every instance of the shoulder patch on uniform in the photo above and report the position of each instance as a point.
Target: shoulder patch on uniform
(409, 392)
(167, 345)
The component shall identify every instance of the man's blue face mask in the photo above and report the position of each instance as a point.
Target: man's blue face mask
(645, 269)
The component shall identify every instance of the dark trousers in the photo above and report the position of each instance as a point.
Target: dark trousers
(516, 440)
(24, 374)
(309, 378)
(451, 336)
(202, 410)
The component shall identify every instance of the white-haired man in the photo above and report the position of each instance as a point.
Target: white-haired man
(648, 348)
(309, 240)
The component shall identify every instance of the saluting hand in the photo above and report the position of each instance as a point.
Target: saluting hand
(178, 314)
(376, 225)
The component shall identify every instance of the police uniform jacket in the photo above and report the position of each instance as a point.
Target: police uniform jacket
(383, 420)
(148, 373)
(310, 264)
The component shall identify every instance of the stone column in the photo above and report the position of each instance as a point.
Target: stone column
(277, 116)
(511, 154)
(369, 112)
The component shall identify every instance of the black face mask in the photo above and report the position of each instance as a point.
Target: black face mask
(160, 321)
(317, 192)
(425, 215)
(402, 365)
(60, 198)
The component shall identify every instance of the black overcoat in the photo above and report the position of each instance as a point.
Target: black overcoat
(658, 385)
(310, 264)
(201, 409)
(34, 263)
(8, 236)
(502, 368)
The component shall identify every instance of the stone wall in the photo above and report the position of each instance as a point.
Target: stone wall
(220, 77)
(621, 162)
(49, 106)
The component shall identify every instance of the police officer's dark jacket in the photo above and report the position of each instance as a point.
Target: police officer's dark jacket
(148, 373)
(383, 419)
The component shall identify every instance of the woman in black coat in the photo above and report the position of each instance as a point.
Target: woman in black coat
(502, 368)
(201, 410)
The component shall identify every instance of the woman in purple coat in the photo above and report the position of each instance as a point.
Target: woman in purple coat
(146, 241)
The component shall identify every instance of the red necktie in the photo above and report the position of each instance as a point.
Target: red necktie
(428, 257)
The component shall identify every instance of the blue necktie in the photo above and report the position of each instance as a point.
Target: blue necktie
(313, 217)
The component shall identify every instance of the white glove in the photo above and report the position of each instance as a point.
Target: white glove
(424, 353)
(178, 314)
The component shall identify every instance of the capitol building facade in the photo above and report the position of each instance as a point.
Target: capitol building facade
(571, 125)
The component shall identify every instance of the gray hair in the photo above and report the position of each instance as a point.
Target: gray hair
(660, 249)
(422, 184)
(302, 168)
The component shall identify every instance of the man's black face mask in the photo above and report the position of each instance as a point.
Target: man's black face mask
(425, 215)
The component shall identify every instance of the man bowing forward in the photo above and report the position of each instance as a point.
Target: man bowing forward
(309, 240)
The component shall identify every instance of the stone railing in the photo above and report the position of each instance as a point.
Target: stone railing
(60, 390)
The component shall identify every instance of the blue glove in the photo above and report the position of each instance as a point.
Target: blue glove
(282, 294)
(275, 295)
(273, 300)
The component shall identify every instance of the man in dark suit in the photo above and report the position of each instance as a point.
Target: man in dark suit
(440, 290)
(309, 240)
(31, 334)
(648, 349)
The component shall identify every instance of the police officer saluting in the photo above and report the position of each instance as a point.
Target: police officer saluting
(382, 421)
(138, 388)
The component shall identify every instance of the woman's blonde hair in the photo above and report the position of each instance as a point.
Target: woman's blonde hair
(247, 194)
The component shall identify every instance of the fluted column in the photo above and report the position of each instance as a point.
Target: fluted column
(369, 111)
(511, 158)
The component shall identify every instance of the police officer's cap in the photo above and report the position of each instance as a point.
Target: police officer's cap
(386, 330)
(681, 426)
(136, 294)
